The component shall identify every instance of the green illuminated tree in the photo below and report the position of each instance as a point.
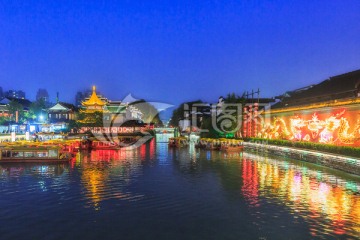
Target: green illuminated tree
(35, 109)
(14, 107)
(4, 120)
(90, 119)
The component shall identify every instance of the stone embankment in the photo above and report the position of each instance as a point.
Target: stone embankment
(340, 162)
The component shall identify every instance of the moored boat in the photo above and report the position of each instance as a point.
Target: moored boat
(222, 144)
(33, 154)
(103, 145)
(122, 142)
(212, 145)
(202, 143)
(178, 142)
(231, 145)
(208, 144)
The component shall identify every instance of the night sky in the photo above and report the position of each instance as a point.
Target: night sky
(175, 51)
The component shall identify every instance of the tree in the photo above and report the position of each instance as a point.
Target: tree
(3, 120)
(235, 118)
(225, 121)
(179, 113)
(208, 125)
(233, 98)
(90, 119)
(150, 113)
(35, 109)
(73, 125)
(14, 107)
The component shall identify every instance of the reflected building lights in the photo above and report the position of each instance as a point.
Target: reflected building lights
(296, 190)
(98, 165)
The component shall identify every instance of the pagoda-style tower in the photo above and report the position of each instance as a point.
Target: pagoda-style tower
(94, 104)
(92, 111)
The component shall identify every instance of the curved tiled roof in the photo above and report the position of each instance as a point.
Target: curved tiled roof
(337, 87)
(94, 100)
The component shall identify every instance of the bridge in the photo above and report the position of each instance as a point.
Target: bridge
(163, 134)
(164, 130)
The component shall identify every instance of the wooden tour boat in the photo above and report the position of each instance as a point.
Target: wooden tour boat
(33, 154)
(178, 142)
(222, 144)
(123, 142)
(231, 145)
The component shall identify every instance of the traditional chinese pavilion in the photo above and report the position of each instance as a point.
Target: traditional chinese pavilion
(98, 114)
(94, 103)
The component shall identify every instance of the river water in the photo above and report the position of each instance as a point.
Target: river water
(158, 193)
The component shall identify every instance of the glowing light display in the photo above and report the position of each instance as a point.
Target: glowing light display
(339, 126)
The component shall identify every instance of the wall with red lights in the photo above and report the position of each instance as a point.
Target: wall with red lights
(327, 125)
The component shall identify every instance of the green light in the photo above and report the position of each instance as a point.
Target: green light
(351, 186)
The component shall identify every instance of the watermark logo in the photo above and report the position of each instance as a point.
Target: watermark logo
(123, 124)
(226, 118)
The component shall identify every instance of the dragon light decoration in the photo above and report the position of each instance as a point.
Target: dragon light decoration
(344, 136)
(315, 125)
(332, 130)
(327, 134)
(295, 125)
(277, 130)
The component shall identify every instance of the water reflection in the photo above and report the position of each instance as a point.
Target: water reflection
(328, 203)
(13, 171)
(250, 186)
(169, 192)
(106, 174)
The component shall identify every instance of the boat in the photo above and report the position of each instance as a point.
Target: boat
(231, 145)
(103, 145)
(33, 154)
(212, 144)
(202, 143)
(208, 144)
(122, 142)
(222, 144)
(178, 142)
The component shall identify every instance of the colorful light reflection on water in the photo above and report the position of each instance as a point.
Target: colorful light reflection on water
(158, 193)
(317, 197)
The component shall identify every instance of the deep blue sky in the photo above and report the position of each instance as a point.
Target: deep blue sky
(175, 51)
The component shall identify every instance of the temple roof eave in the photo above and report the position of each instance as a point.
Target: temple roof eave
(87, 103)
(94, 100)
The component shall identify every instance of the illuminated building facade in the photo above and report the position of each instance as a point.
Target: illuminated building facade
(1, 93)
(94, 103)
(42, 94)
(116, 116)
(327, 113)
(4, 112)
(15, 94)
(112, 110)
(62, 112)
(252, 114)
